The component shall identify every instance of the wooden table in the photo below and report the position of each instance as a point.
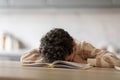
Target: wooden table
(10, 70)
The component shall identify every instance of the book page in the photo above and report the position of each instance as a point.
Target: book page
(60, 64)
(36, 65)
(72, 65)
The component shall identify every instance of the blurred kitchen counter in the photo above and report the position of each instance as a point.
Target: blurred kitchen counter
(13, 55)
(12, 70)
(13, 52)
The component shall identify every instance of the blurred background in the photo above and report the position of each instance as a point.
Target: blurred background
(24, 22)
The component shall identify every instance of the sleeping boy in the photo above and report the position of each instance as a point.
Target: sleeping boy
(57, 44)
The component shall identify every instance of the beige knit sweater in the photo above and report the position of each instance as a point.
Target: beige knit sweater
(85, 51)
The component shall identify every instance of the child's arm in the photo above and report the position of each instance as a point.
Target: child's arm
(31, 56)
(98, 57)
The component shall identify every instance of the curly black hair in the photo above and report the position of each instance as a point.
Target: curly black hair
(56, 45)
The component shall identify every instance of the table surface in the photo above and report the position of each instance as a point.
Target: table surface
(11, 70)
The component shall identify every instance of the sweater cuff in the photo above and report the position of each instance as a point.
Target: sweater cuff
(92, 62)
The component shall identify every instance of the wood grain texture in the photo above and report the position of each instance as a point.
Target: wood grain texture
(10, 70)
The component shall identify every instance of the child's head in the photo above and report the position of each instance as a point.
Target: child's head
(57, 44)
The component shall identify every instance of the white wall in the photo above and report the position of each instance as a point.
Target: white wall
(95, 26)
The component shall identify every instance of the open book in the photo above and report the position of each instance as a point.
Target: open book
(60, 64)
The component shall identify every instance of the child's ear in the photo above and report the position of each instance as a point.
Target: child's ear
(67, 58)
(70, 57)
